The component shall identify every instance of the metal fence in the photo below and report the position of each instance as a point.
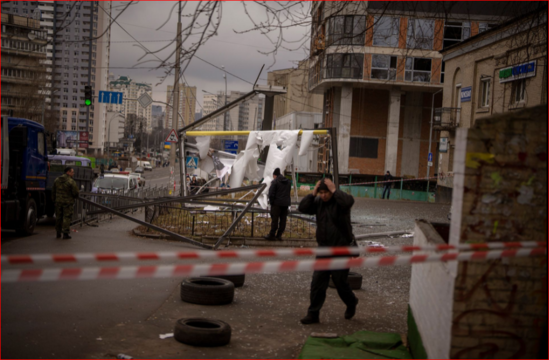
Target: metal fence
(113, 199)
(197, 222)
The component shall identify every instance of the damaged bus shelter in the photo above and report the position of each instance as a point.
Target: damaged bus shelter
(277, 147)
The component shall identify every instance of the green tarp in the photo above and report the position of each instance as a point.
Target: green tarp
(360, 345)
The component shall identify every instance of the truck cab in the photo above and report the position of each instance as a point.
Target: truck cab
(24, 174)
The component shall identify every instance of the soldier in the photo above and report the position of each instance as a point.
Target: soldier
(63, 194)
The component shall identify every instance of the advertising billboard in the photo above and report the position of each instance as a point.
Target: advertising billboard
(72, 139)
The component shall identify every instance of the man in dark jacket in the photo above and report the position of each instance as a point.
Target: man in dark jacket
(388, 185)
(333, 218)
(63, 194)
(280, 200)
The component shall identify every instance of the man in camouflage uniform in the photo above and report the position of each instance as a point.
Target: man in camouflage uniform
(63, 194)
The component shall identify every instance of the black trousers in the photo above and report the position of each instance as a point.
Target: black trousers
(319, 285)
(278, 213)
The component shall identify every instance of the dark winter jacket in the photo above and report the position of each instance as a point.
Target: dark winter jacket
(388, 177)
(65, 190)
(333, 218)
(279, 192)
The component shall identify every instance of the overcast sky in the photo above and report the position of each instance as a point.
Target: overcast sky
(237, 52)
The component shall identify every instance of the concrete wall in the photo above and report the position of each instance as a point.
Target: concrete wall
(500, 194)
(431, 295)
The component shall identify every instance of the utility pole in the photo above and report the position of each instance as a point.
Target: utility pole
(175, 112)
(90, 69)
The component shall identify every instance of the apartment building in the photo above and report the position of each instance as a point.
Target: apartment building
(132, 90)
(377, 65)
(187, 105)
(71, 64)
(24, 77)
(298, 98)
(498, 71)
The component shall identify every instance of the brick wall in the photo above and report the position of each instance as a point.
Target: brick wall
(500, 194)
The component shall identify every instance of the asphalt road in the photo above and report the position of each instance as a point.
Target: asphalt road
(99, 319)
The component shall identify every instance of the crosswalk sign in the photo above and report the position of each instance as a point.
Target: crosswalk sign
(192, 162)
(172, 137)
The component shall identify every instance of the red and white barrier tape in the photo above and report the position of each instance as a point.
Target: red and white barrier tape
(166, 271)
(224, 254)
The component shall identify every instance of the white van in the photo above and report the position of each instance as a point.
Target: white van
(145, 165)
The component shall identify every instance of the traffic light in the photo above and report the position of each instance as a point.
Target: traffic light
(88, 97)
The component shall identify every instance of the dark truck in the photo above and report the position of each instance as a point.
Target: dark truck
(24, 174)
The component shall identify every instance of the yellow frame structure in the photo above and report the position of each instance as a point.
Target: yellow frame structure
(222, 133)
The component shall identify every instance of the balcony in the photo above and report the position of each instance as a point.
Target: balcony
(446, 119)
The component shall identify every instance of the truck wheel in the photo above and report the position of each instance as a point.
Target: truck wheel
(202, 332)
(28, 218)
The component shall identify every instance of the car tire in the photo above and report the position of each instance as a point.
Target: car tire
(207, 291)
(202, 332)
(237, 280)
(354, 279)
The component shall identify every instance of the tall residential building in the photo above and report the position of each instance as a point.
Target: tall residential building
(71, 63)
(187, 105)
(377, 64)
(298, 98)
(132, 90)
(158, 117)
(246, 116)
(23, 67)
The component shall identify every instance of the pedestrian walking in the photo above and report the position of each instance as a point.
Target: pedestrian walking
(388, 185)
(64, 192)
(280, 200)
(332, 208)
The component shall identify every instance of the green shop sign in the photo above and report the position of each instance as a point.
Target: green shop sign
(517, 72)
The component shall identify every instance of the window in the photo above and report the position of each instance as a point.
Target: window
(77, 22)
(65, 97)
(25, 11)
(363, 148)
(420, 34)
(67, 37)
(418, 69)
(344, 66)
(384, 67)
(455, 32)
(65, 105)
(346, 30)
(386, 31)
(482, 27)
(485, 92)
(442, 72)
(65, 90)
(518, 91)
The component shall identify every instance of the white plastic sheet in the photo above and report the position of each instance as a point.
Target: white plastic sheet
(203, 145)
(306, 141)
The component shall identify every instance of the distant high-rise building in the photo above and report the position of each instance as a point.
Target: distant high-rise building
(24, 82)
(132, 90)
(187, 105)
(70, 63)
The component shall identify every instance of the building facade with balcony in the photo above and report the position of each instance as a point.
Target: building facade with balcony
(378, 65)
(24, 77)
(498, 71)
(70, 63)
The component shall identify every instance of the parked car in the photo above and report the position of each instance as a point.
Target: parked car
(139, 170)
(115, 171)
(129, 170)
(115, 183)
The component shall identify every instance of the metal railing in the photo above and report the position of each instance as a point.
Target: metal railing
(446, 118)
(197, 222)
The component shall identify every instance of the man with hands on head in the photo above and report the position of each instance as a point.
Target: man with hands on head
(332, 208)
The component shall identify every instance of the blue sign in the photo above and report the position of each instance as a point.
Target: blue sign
(111, 97)
(167, 143)
(465, 94)
(430, 157)
(231, 145)
(192, 162)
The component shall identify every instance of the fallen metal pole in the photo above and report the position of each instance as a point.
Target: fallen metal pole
(235, 222)
(150, 226)
(182, 199)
